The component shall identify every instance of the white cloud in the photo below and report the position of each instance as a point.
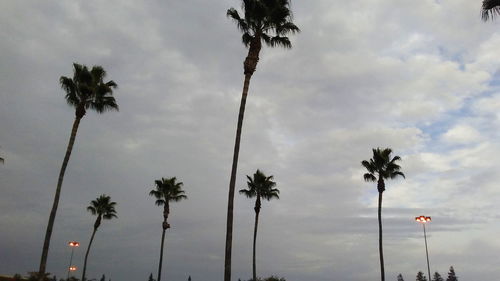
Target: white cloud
(461, 134)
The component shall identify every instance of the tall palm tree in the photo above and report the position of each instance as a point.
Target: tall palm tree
(260, 186)
(263, 20)
(380, 168)
(86, 90)
(103, 208)
(167, 190)
(490, 9)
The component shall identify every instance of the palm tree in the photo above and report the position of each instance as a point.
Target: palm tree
(167, 190)
(86, 90)
(259, 187)
(103, 208)
(263, 20)
(380, 168)
(490, 9)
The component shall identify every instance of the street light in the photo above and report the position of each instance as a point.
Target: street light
(423, 220)
(72, 244)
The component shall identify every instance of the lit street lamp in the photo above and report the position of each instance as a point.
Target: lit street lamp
(72, 244)
(423, 220)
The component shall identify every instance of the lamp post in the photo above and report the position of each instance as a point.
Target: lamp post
(423, 220)
(72, 244)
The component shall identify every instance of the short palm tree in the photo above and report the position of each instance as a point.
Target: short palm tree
(86, 90)
(263, 20)
(167, 190)
(380, 168)
(260, 187)
(103, 208)
(490, 9)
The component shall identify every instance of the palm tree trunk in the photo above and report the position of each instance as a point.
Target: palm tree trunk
(249, 66)
(87, 254)
(381, 251)
(52, 217)
(230, 202)
(254, 245)
(161, 254)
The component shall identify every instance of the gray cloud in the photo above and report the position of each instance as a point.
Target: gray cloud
(361, 75)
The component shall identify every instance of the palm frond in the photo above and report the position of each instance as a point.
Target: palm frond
(382, 165)
(287, 28)
(490, 9)
(260, 185)
(396, 174)
(88, 89)
(168, 190)
(369, 165)
(280, 41)
(240, 23)
(249, 193)
(160, 202)
(103, 206)
(267, 20)
(92, 210)
(369, 177)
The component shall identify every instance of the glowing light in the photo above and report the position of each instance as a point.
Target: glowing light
(72, 268)
(423, 219)
(73, 244)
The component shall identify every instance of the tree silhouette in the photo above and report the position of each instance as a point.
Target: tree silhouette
(421, 276)
(260, 187)
(381, 167)
(86, 90)
(451, 275)
(400, 277)
(167, 190)
(263, 20)
(437, 277)
(103, 208)
(490, 9)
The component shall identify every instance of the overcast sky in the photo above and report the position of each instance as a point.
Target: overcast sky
(420, 77)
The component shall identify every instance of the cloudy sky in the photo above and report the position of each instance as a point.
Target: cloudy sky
(420, 77)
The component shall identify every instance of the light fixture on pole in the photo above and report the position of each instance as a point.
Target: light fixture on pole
(72, 244)
(423, 220)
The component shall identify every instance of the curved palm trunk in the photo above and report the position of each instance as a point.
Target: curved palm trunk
(249, 68)
(161, 254)
(165, 226)
(87, 254)
(230, 204)
(381, 251)
(257, 212)
(52, 217)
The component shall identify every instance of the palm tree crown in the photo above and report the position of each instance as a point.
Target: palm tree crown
(167, 190)
(261, 186)
(88, 90)
(103, 207)
(490, 9)
(264, 20)
(382, 167)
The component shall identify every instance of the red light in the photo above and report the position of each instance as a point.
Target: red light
(423, 219)
(73, 244)
(72, 268)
